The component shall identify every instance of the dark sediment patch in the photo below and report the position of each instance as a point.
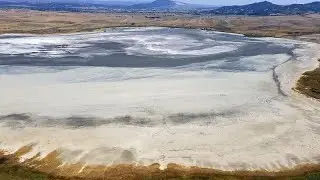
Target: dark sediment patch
(117, 55)
(75, 122)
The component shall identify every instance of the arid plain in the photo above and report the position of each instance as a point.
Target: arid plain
(303, 28)
(38, 22)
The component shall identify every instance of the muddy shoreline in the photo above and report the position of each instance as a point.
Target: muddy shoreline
(52, 167)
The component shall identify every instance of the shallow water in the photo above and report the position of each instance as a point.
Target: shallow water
(159, 95)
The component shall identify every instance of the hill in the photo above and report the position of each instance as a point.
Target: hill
(266, 8)
(101, 5)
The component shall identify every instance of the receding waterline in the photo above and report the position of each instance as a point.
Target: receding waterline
(159, 96)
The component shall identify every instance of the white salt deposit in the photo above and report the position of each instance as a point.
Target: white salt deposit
(197, 114)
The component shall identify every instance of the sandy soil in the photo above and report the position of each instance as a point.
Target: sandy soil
(51, 167)
(38, 22)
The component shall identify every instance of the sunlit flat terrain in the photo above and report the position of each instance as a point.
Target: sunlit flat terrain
(42, 22)
(158, 95)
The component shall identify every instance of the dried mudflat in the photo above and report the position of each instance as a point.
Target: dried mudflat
(53, 166)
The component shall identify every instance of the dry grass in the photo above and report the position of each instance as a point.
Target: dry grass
(39, 22)
(51, 167)
(309, 83)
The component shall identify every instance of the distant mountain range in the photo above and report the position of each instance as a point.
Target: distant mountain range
(96, 5)
(100, 2)
(266, 8)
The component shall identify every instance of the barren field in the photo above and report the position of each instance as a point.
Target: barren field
(37, 22)
(254, 117)
(305, 28)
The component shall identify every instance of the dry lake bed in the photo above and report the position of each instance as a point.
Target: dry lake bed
(159, 95)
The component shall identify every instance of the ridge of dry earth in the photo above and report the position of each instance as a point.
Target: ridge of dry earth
(52, 168)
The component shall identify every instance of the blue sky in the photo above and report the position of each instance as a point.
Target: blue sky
(234, 2)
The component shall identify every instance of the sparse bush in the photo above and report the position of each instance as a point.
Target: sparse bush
(309, 83)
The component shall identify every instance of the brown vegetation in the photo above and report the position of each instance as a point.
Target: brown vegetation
(40, 22)
(51, 167)
(309, 83)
